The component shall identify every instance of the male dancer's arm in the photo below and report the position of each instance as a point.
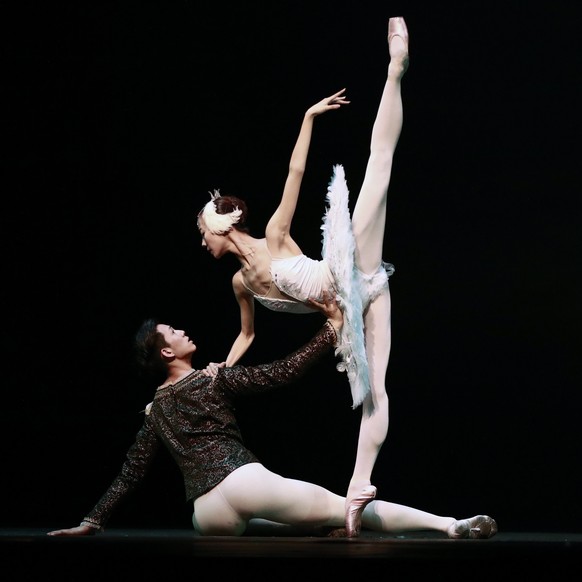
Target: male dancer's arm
(257, 379)
(139, 458)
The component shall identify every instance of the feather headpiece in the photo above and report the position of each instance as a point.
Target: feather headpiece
(218, 223)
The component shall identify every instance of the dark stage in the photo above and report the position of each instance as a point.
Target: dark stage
(122, 117)
(146, 554)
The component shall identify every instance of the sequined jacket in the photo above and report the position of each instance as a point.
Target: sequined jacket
(194, 419)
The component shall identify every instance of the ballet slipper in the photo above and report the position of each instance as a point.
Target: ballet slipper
(354, 509)
(478, 527)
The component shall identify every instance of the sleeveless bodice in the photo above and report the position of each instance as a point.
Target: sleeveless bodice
(300, 278)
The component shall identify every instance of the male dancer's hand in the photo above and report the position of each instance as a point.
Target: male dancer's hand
(329, 307)
(80, 530)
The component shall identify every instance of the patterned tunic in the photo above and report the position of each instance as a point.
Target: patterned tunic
(194, 419)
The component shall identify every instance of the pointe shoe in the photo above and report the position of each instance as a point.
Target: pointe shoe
(397, 27)
(478, 527)
(355, 507)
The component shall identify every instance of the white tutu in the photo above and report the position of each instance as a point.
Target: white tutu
(355, 289)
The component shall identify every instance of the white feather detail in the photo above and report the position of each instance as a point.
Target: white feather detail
(218, 223)
(339, 250)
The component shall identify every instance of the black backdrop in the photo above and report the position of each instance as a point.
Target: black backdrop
(121, 117)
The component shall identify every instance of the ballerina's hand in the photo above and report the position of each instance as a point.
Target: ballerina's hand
(335, 101)
(212, 368)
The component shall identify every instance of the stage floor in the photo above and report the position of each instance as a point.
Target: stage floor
(150, 554)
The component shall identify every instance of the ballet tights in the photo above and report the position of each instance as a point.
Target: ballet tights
(369, 220)
(254, 492)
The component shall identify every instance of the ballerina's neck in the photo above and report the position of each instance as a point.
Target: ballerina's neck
(248, 250)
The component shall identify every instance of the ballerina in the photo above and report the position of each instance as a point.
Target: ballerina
(276, 273)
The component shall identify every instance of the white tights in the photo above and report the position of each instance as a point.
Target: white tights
(254, 492)
(369, 220)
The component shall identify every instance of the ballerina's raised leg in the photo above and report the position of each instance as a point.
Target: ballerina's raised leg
(369, 220)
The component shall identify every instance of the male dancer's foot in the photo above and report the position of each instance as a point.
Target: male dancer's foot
(478, 527)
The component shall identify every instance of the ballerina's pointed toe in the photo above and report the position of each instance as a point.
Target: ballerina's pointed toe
(397, 27)
(354, 509)
(398, 53)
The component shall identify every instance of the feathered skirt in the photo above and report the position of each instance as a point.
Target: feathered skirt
(355, 289)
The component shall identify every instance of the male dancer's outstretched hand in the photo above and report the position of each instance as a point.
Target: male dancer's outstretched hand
(329, 307)
(80, 530)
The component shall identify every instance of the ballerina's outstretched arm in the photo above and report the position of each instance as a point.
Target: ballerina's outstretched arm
(278, 228)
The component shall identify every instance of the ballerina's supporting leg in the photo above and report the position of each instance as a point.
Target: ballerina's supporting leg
(374, 422)
(369, 220)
